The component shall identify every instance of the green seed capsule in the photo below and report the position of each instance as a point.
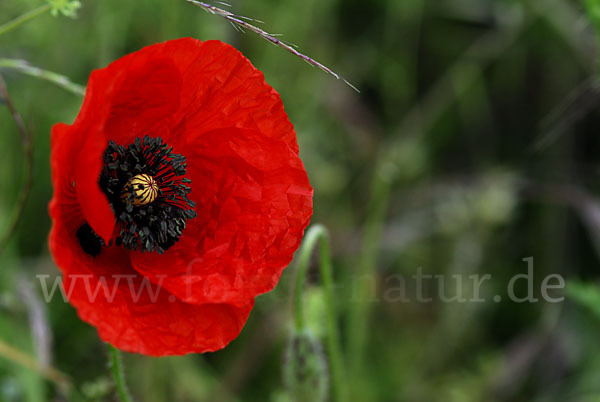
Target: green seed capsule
(305, 370)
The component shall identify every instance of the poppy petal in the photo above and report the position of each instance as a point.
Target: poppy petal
(253, 202)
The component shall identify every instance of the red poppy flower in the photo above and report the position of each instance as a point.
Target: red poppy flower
(179, 197)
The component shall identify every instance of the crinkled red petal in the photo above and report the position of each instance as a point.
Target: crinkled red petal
(253, 204)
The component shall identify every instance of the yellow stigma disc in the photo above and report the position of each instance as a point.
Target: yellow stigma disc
(143, 188)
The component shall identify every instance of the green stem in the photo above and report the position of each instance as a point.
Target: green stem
(116, 368)
(319, 233)
(60, 80)
(22, 19)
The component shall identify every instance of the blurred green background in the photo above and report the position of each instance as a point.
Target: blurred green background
(472, 145)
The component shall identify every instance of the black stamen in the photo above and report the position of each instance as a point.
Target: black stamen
(90, 242)
(155, 226)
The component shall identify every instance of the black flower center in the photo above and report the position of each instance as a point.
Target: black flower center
(146, 189)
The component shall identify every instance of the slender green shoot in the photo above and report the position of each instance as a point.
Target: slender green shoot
(25, 68)
(22, 19)
(318, 233)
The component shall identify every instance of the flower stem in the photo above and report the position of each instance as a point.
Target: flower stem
(22, 19)
(25, 68)
(116, 368)
(319, 233)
